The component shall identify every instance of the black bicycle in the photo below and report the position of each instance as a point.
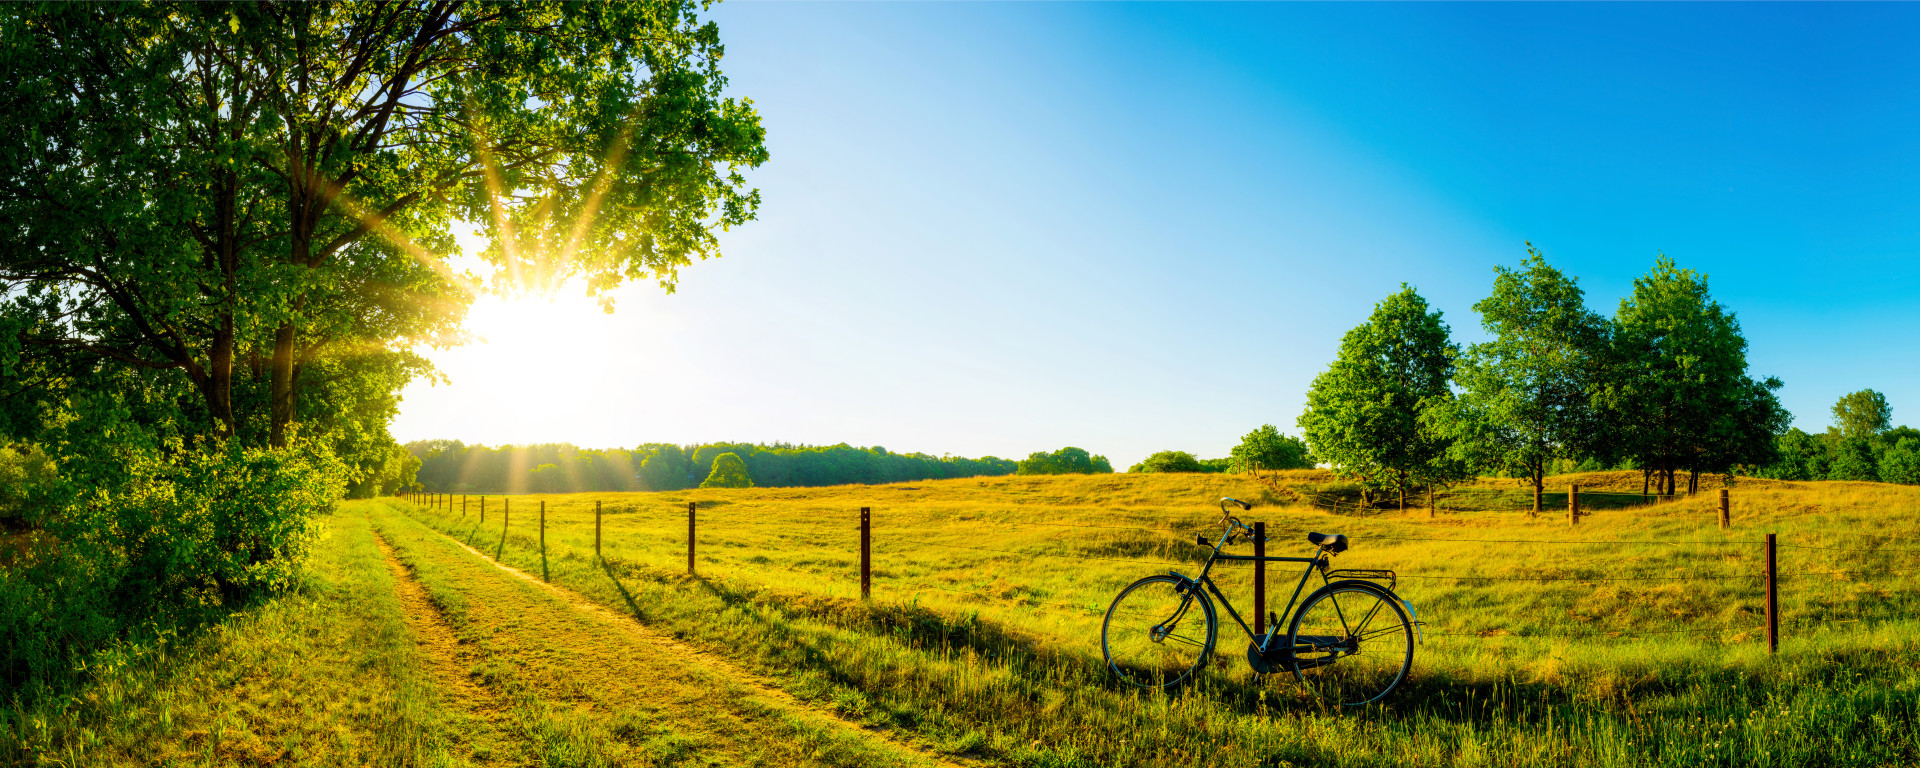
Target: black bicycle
(1350, 642)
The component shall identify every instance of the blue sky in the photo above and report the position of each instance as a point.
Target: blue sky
(995, 228)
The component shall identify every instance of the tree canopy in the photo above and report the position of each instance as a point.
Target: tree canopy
(728, 472)
(1266, 449)
(1066, 461)
(1862, 414)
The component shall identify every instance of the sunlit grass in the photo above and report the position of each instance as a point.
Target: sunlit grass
(1597, 666)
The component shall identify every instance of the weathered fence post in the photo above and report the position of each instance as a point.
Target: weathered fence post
(1773, 602)
(1726, 517)
(690, 507)
(596, 530)
(866, 553)
(463, 505)
(1259, 581)
(506, 515)
(483, 509)
(1573, 505)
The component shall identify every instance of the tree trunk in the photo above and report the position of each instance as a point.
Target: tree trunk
(282, 385)
(1539, 485)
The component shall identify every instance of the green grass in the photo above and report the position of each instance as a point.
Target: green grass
(325, 676)
(993, 654)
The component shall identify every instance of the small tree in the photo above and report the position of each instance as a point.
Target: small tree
(1364, 413)
(1265, 448)
(728, 472)
(1862, 414)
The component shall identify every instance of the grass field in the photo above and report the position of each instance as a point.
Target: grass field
(1634, 638)
(1631, 639)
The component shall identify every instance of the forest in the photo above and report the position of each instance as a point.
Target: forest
(447, 466)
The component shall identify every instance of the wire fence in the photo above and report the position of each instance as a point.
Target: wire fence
(1771, 575)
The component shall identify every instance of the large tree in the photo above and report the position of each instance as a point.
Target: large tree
(1364, 413)
(1523, 398)
(238, 194)
(1675, 385)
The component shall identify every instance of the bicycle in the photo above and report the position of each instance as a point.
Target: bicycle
(1333, 647)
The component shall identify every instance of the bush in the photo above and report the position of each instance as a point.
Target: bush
(181, 532)
(728, 472)
(1169, 461)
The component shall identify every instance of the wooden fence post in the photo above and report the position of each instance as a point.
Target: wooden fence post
(866, 553)
(543, 527)
(1773, 602)
(596, 530)
(1573, 505)
(463, 505)
(690, 507)
(483, 509)
(1259, 582)
(1726, 517)
(506, 515)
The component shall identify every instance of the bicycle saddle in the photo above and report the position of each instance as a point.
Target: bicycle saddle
(1331, 542)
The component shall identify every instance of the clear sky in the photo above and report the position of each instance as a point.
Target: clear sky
(999, 228)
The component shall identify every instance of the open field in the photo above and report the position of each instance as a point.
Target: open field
(1632, 639)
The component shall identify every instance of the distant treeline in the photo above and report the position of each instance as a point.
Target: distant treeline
(449, 466)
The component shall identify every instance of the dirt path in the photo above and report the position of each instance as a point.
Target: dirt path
(756, 686)
(448, 660)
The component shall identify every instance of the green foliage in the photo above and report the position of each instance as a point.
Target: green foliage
(728, 472)
(546, 479)
(1266, 449)
(1852, 459)
(1675, 390)
(1066, 461)
(1863, 414)
(1901, 463)
(1168, 461)
(1365, 412)
(1524, 397)
(22, 468)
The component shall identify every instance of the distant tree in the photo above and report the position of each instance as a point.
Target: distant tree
(1798, 456)
(728, 472)
(1675, 388)
(1168, 461)
(1901, 463)
(1852, 459)
(1066, 461)
(546, 478)
(666, 468)
(1364, 413)
(1863, 414)
(1266, 449)
(1524, 396)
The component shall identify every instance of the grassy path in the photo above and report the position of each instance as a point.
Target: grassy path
(589, 686)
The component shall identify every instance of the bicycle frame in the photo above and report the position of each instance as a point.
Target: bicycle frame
(1205, 578)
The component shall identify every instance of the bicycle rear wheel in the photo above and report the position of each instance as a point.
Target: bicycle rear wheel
(1351, 643)
(1158, 632)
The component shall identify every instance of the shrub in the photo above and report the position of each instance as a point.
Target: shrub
(728, 472)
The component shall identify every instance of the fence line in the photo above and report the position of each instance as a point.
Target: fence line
(1771, 575)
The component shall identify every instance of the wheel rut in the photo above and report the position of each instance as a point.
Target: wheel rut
(755, 684)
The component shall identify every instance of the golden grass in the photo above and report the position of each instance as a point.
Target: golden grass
(988, 591)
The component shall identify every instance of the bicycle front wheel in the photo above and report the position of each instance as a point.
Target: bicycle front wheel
(1158, 632)
(1351, 643)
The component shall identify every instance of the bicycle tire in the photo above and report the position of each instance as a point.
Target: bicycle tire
(1338, 667)
(1141, 654)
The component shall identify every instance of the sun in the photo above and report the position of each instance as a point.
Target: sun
(523, 348)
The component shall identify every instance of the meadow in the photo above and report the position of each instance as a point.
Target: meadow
(1634, 638)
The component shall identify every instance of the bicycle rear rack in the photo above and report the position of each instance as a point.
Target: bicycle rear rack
(1365, 573)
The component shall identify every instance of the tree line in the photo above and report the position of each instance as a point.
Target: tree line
(449, 466)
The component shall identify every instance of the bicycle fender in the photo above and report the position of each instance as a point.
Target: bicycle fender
(1413, 617)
